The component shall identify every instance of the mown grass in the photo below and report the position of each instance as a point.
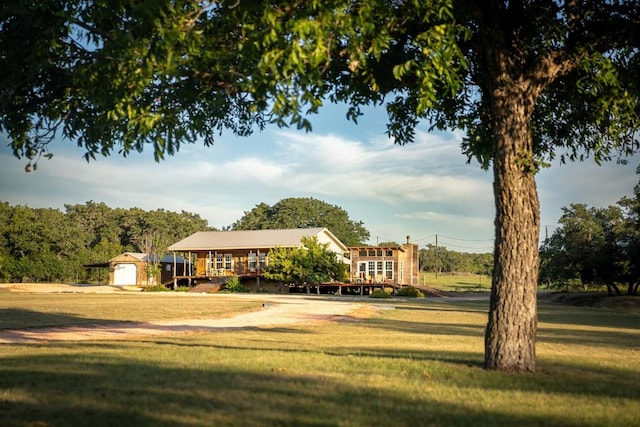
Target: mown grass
(456, 282)
(417, 363)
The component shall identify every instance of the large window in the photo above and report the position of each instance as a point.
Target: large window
(377, 270)
(388, 269)
(262, 260)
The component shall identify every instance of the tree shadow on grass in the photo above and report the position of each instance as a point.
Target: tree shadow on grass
(106, 389)
(16, 318)
(587, 316)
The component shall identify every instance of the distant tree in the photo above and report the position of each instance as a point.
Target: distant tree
(631, 242)
(442, 259)
(304, 213)
(595, 246)
(257, 218)
(311, 263)
(588, 248)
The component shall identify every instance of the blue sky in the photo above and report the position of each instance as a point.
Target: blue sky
(420, 190)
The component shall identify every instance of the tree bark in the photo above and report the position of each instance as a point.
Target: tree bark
(512, 325)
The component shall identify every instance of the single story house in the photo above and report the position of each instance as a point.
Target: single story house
(393, 265)
(242, 253)
(130, 268)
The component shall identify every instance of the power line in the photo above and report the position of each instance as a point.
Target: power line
(466, 240)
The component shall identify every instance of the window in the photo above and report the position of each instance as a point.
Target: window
(379, 252)
(401, 270)
(362, 270)
(379, 270)
(262, 259)
(372, 252)
(389, 252)
(228, 262)
(219, 261)
(362, 252)
(388, 269)
(253, 261)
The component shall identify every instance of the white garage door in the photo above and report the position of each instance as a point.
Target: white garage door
(125, 274)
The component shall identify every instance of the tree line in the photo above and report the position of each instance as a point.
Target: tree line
(48, 245)
(442, 260)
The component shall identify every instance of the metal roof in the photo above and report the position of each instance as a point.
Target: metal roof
(140, 256)
(249, 239)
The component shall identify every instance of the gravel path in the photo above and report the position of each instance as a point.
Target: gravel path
(277, 311)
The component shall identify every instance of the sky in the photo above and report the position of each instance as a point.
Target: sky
(425, 190)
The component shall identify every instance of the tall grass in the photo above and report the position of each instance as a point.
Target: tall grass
(415, 363)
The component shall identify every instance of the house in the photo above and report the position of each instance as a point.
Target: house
(243, 253)
(130, 268)
(392, 265)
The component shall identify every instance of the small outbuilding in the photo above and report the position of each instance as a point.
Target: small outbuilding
(130, 269)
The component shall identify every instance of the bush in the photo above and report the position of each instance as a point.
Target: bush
(156, 288)
(234, 285)
(380, 293)
(410, 291)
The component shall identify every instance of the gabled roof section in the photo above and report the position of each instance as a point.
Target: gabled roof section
(251, 239)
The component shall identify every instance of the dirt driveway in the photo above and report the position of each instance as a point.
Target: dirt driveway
(277, 311)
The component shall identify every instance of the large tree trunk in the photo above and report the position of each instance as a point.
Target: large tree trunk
(511, 329)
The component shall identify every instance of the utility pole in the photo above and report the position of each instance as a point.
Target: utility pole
(436, 257)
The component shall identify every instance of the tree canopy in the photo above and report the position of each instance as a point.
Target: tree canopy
(43, 244)
(312, 263)
(300, 212)
(526, 81)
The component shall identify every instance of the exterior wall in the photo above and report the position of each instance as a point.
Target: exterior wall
(323, 238)
(409, 260)
(141, 276)
(242, 262)
(361, 265)
(403, 271)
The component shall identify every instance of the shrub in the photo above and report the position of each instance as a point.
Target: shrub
(410, 291)
(379, 293)
(156, 288)
(234, 285)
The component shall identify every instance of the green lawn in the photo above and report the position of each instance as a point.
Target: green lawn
(418, 363)
(458, 282)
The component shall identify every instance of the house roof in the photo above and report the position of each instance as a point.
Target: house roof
(250, 239)
(140, 256)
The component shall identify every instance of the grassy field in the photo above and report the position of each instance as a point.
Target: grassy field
(458, 282)
(417, 363)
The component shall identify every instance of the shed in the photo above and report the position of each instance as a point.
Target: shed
(129, 269)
